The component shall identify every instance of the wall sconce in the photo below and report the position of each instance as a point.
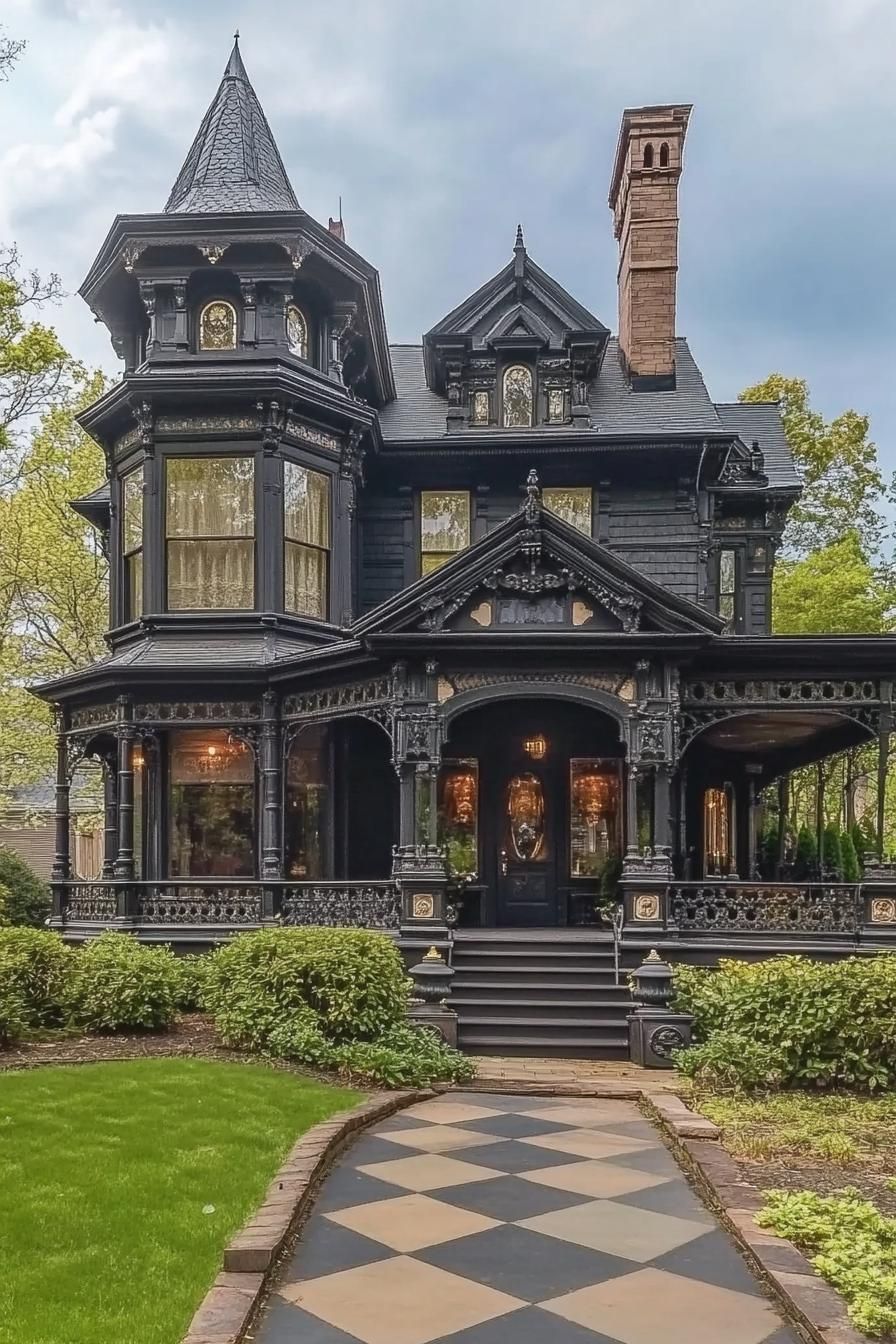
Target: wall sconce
(536, 747)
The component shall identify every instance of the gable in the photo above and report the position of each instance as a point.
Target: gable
(535, 572)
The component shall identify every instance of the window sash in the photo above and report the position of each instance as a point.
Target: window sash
(306, 579)
(444, 526)
(574, 504)
(211, 574)
(306, 505)
(210, 497)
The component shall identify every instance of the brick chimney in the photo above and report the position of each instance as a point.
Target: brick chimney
(644, 201)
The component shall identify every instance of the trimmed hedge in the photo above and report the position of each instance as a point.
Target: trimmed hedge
(791, 1021)
(333, 998)
(116, 984)
(36, 968)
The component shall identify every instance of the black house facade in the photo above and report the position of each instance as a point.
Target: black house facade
(460, 640)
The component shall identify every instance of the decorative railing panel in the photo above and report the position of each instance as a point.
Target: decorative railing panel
(94, 901)
(760, 907)
(338, 905)
(209, 903)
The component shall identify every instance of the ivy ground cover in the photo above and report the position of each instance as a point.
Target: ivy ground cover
(121, 1184)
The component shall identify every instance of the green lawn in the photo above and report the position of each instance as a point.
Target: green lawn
(121, 1183)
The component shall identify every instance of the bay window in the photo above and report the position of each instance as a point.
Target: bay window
(306, 531)
(210, 533)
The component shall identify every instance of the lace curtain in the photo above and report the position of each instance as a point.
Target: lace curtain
(210, 509)
(306, 523)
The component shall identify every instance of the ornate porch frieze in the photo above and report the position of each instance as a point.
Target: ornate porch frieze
(779, 691)
(334, 701)
(620, 684)
(202, 711)
(301, 430)
(205, 424)
(95, 716)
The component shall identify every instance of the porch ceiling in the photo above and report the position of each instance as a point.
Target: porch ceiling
(749, 733)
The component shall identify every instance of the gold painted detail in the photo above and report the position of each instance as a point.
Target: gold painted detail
(653, 955)
(647, 907)
(211, 424)
(482, 614)
(217, 326)
(299, 429)
(445, 690)
(581, 612)
(883, 910)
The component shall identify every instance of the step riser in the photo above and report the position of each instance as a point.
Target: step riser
(513, 1050)
(538, 964)
(543, 1012)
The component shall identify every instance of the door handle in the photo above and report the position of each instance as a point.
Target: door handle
(503, 862)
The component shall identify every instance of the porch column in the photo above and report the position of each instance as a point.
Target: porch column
(753, 772)
(663, 831)
(883, 754)
(407, 826)
(124, 861)
(631, 809)
(62, 864)
(783, 819)
(110, 818)
(272, 785)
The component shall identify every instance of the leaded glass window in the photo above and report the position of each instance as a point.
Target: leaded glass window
(210, 533)
(306, 532)
(296, 331)
(479, 408)
(132, 542)
(217, 326)
(727, 585)
(459, 815)
(444, 526)
(574, 504)
(517, 399)
(556, 406)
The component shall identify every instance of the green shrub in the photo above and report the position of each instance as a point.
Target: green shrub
(852, 1245)
(118, 983)
(862, 841)
(37, 967)
(802, 1022)
(806, 857)
(192, 974)
(332, 998)
(832, 859)
(852, 872)
(29, 898)
(13, 1013)
(5, 897)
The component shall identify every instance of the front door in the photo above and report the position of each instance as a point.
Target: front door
(527, 857)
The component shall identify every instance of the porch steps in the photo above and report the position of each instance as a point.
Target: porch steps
(537, 992)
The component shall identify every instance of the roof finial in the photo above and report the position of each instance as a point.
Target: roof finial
(235, 68)
(519, 238)
(236, 36)
(532, 506)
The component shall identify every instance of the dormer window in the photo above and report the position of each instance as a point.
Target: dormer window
(517, 397)
(296, 332)
(217, 326)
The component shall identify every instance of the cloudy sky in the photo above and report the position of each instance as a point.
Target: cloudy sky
(442, 125)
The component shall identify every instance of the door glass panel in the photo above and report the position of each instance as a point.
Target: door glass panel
(594, 816)
(459, 815)
(526, 818)
(306, 817)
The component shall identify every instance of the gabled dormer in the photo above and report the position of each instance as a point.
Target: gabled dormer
(518, 354)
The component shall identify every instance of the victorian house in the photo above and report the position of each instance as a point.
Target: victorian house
(461, 640)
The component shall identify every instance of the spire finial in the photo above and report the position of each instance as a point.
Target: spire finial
(236, 36)
(532, 506)
(519, 238)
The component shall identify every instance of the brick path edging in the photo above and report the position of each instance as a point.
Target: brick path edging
(225, 1312)
(812, 1306)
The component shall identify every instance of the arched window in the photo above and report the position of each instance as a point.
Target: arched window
(296, 331)
(664, 155)
(517, 398)
(217, 326)
(648, 156)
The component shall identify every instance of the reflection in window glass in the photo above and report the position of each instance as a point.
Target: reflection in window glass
(132, 541)
(211, 806)
(458, 815)
(444, 526)
(517, 397)
(210, 524)
(573, 505)
(594, 816)
(479, 408)
(727, 585)
(717, 832)
(555, 405)
(217, 326)
(306, 819)
(306, 530)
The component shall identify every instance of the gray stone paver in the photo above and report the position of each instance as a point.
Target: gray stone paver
(565, 1220)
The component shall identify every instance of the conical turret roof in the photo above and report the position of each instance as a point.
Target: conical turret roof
(233, 164)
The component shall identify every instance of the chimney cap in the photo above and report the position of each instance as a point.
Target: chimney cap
(661, 119)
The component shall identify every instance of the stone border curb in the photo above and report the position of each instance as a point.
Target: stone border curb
(227, 1309)
(815, 1308)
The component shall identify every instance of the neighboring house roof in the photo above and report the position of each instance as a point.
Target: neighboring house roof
(234, 163)
(41, 797)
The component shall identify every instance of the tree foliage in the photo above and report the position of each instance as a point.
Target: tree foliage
(832, 590)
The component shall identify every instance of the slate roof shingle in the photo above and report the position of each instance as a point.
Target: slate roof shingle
(761, 420)
(233, 164)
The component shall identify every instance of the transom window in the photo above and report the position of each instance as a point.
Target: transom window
(574, 504)
(296, 331)
(132, 542)
(217, 326)
(444, 526)
(210, 533)
(517, 397)
(306, 532)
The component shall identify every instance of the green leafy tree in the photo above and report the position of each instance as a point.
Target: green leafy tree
(833, 590)
(843, 487)
(806, 853)
(53, 582)
(831, 859)
(850, 859)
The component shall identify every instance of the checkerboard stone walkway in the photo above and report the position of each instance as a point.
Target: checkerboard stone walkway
(479, 1219)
